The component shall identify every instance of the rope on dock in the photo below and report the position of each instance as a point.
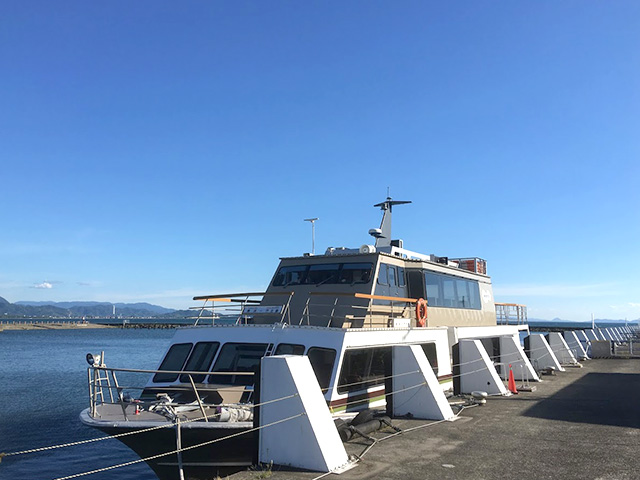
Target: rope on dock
(124, 434)
(176, 451)
(168, 425)
(358, 458)
(216, 440)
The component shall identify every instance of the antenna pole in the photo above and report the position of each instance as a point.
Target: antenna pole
(313, 233)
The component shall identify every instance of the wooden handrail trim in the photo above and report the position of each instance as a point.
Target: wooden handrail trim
(224, 297)
(363, 295)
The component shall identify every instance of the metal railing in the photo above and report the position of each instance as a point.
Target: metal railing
(373, 310)
(240, 307)
(104, 388)
(511, 314)
(320, 309)
(630, 348)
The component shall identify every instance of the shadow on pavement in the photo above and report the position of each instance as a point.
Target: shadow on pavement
(597, 398)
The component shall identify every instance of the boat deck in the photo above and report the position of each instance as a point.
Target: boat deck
(580, 424)
(190, 416)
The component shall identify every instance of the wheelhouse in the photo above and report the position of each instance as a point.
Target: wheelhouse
(455, 296)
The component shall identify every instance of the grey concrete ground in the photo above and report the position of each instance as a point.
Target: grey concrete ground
(580, 424)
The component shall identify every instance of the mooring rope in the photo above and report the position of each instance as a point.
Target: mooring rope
(153, 457)
(169, 425)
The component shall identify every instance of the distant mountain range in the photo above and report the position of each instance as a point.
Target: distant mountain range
(597, 321)
(84, 309)
(25, 309)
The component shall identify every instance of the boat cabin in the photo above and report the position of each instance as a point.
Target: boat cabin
(350, 364)
(371, 288)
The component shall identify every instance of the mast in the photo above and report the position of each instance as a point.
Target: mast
(383, 234)
(313, 233)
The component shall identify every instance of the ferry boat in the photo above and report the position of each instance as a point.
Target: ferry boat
(345, 310)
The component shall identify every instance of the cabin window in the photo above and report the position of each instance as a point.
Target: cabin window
(382, 275)
(293, 275)
(173, 361)
(391, 275)
(474, 296)
(353, 273)
(237, 357)
(363, 368)
(452, 292)
(434, 290)
(449, 292)
(401, 280)
(462, 293)
(200, 360)
(322, 360)
(430, 351)
(416, 284)
(323, 273)
(289, 349)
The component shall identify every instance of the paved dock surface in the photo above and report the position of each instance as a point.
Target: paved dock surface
(580, 424)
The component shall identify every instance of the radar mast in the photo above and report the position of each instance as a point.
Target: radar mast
(383, 234)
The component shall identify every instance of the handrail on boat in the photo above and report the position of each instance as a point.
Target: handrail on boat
(101, 377)
(376, 314)
(244, 300)
(511, 314)
(364, 295)
(381, 310)
(225, 297)
(186, 372)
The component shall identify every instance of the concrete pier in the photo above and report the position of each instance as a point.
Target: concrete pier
(580, 424)
(57, 325)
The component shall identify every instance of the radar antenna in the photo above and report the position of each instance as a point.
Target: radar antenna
(383, 234)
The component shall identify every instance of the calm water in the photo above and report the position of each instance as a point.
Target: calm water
(43, 388)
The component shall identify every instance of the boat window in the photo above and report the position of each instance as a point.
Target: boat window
(363, 368)
(416, 284)
(323, 273)
(293, 275)
(453, 292)
(322, 360)
(434, 290)
(391, 274)
(430, 351)
(449, 292)
(462, 293)
(237, 357)
(353, 273)
(474, 296)
(401, 280)
(289, 349)
(173, 361)
(200, 360)
(382, 275)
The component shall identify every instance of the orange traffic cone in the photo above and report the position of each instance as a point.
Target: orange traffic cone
(512, 382)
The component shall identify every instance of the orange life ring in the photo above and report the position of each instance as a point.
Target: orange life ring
(421, 312)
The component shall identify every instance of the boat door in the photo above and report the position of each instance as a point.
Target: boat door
(415, 279)
(391, 281)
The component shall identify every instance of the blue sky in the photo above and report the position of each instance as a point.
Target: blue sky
(153, 151)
